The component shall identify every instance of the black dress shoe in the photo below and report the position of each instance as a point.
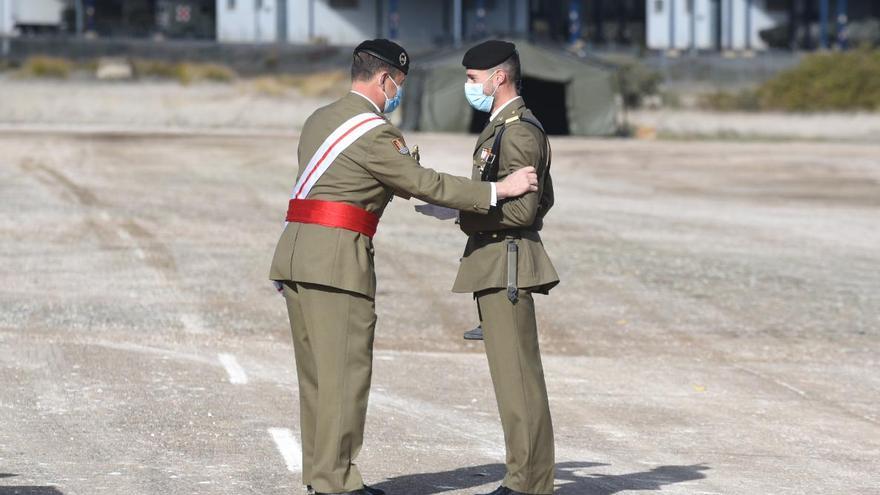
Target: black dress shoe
(356, 492)
(475, 334)
(503, 490)
(367, 490)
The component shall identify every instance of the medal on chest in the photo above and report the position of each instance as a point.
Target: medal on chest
(486, 158)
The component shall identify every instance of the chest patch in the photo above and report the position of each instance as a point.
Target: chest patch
(400, 146)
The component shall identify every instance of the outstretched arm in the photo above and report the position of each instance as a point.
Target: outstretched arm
(392, 165)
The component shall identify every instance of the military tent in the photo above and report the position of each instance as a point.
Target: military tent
(568, 94)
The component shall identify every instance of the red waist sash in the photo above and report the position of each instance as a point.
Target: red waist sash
(333, 214)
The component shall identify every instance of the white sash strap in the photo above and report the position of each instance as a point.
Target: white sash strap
(336, 143)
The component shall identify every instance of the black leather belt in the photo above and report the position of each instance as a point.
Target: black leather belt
(500, 235)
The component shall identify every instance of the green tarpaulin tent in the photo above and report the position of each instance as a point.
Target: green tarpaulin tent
(569, 95)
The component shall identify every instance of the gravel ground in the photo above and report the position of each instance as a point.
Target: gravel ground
(716, 332)
(154, 105)
(692, 124)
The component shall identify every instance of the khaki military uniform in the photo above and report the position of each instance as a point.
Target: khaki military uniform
(329, 284)
(510, 330)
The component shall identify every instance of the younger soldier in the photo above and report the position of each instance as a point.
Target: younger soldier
(504, 263)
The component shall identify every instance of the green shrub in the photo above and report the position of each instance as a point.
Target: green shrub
(215, 72)
(826, 82)
(183, 72)
(154, 68)
(726, 101)
(638, 81)
(43, 66)
(635, 80)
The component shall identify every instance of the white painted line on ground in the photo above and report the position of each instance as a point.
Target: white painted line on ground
(236, 373)
(288, 447)
(774, 380)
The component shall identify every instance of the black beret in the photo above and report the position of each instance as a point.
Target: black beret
(488, 54)
(386, 51)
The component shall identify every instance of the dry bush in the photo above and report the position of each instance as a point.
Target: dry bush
(45, 66)
(183, 72)
(827, 82)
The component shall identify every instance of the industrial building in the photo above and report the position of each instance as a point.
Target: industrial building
(429, 21)
(746, 25)
(662, 25)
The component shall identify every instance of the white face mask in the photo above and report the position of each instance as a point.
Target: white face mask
(477, 97)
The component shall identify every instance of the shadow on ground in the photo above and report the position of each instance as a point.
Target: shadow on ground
(29, 490)
(26, 490)
(570, 476)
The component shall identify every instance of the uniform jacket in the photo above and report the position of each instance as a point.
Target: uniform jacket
(484, 263)
(367, 174)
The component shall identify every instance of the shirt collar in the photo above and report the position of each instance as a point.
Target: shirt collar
(502, 107)
(369, 100)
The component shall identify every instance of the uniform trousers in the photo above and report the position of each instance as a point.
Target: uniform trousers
(510, 335)
(333, 334)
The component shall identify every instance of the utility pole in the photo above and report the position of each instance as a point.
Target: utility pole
(574, 21)
(842, 21)
(4, 30)
(311, 21)
(281, 18)
(393, 19)
(87, 14)
(692, 12)
(258, 6)
(748, 25)
(457, 17)
(481, 18)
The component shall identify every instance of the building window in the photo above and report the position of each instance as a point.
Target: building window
(230, 4)
(658, 6)
(344, 4)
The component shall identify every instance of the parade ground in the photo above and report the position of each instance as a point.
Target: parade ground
(716, 331)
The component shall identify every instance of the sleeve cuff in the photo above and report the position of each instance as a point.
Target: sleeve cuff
(493, 200)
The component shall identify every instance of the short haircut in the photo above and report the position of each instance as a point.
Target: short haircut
(364, 66)
(512, 67)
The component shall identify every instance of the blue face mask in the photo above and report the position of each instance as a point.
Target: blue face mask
(476, 96)
(392, 103)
